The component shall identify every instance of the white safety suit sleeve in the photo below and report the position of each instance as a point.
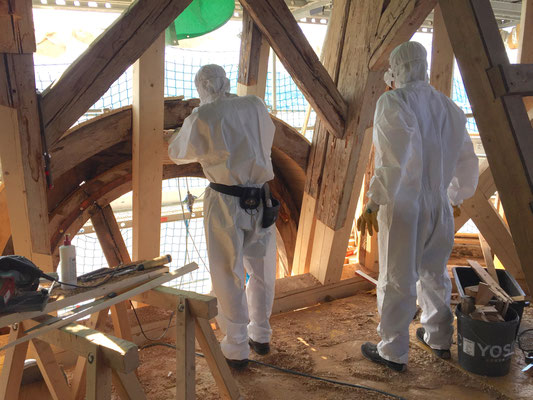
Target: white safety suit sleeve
(394, 129)
(465, 178)
(194, 143)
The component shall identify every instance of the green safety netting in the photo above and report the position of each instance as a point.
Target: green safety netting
(199, 18)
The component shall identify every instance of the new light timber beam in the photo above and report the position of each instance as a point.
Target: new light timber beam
(168, 298)
(288, 41)
(148, 114)
(477, 46)
(89, 77)
(398, 23)
(119, 354)
(253, 60)
(23, 131)
(441, 74)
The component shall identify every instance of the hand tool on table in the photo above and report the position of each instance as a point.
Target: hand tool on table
(126, 269)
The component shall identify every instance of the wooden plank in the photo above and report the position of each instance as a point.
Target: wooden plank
(52, 374)
(484, 294)
(114, 286)
(110, 237)
(311, 295)
(107, 303)
(400, 20)
(442, 59)
(121, 322)
(148, 109)
(128, 386)
(485, 277)
(16, 27)
(185, 357)
(288, 41)
(487, 255)
(22, 166)
(215, 360)
(253, 59)
(496, 131)
(85, 81)
(118, 354)
(98, 377)
(11, 374)
(79, 383)
(306, 231)
(165, 297)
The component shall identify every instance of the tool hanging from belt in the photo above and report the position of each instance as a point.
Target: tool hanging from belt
(250, 199)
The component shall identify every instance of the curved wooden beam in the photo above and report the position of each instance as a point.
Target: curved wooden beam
(109, 129)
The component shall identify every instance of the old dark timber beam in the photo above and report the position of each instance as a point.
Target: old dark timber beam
(397, 24)
(89, 77)
(278, 25)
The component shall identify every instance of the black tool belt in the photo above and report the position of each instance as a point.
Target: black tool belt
(250, 199)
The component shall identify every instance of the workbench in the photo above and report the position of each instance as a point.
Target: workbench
(104, 360)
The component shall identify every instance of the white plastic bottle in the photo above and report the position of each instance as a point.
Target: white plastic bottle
(67, 261)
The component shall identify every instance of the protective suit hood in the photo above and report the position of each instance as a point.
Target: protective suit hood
(211, 83)
(408, 63)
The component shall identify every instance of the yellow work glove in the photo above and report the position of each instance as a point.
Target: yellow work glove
(456, 211)
(368, 221)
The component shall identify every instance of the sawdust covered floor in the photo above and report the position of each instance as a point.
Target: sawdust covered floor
(325, 341)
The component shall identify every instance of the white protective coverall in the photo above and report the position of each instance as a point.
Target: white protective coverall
(231, 137)
(424, 161)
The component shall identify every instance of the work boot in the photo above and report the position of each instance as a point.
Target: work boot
(237, 365)
(259, 348)
(444, 354)
(370, 352)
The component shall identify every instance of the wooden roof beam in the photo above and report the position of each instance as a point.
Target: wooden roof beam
(278, 25)
(89, 77)
(507, 141)
(398, 23)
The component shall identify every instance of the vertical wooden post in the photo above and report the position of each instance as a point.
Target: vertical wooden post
(185, 357)
(17, 90)
(148, 109)
(253, 62)
(13, 367)
(441, 76)
(98, 377)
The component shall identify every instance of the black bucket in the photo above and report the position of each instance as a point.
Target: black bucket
(486, 348)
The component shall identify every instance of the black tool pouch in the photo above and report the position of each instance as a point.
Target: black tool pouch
(250, 198)
(270, 214)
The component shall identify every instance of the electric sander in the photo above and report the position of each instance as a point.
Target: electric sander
(19, 281)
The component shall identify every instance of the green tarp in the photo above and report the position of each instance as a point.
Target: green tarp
(199, 18)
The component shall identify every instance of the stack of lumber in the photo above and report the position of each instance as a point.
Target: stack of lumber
(486, 301)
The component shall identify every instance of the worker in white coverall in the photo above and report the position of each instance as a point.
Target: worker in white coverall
(231, 137)
(424, 163)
